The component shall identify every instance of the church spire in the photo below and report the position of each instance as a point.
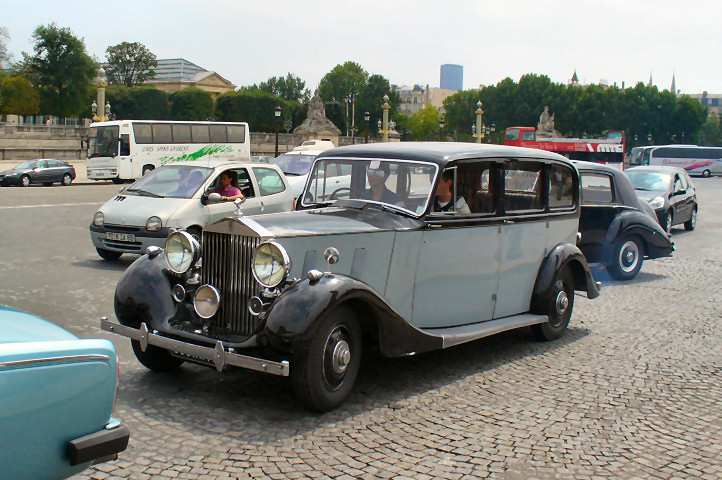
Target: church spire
(650, 80)
(674, 85)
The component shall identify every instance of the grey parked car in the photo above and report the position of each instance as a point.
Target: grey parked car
(45, 171)
(431, 245)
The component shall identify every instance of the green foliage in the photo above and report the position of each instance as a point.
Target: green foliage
(62, 70)
(290, 88)
(19, 97)
(370, 99)
(425, 124)
(138, 103)
(255, 107)
(129, 64)
(336, 112)
(342, 81)
(191, 103)
(4, 55)
(712, 132)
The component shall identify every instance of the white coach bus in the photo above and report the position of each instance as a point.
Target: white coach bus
(704, 161)
(128, 149)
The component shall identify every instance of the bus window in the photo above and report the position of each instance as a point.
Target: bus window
(200, 134)
(143, 133)
(218, 134)
(512, 134)
(236, 134)
(162, 133)
(527, 135)
(181, 133)
(125, 144)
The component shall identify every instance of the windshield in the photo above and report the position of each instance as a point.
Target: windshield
(649, 180)
(294, 164)
(26, 164)
(103, 141)
(400, 185)
(177, 181)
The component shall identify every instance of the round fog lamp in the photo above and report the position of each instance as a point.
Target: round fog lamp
(206, 301)
(181, 250)
(179, 293)
(270, 264)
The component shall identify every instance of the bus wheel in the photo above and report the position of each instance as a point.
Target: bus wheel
(147, 168)
(706, 174)
(117, 181)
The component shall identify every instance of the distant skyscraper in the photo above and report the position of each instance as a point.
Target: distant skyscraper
(452, 77)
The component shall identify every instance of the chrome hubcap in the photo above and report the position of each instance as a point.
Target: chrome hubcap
(341, 357)
(628, 256)
(562, 302)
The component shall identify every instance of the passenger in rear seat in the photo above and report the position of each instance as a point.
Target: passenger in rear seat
(444, 194)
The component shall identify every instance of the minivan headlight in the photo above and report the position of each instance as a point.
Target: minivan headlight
(181, 251)
(656, 202)
(98, 219)
(153, 224)
(270, 264)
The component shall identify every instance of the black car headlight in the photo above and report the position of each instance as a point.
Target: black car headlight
(181, 251)
(270, 264)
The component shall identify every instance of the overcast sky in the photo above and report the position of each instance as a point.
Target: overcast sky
(406, 41)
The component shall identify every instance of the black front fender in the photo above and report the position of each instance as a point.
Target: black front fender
(291, 321)
(563, 255)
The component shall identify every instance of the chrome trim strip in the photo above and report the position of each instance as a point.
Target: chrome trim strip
(217, 355)
(68, 358)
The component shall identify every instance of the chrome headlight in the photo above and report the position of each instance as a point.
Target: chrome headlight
(656, 202)
(98, 219)
(181, 251)
(153, 224)
(270, 264)
(206, 301)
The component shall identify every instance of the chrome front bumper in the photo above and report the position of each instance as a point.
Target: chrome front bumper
(218, 356)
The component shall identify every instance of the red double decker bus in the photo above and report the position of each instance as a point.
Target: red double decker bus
(608, 150)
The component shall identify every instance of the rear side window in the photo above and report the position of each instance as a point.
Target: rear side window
(269, 181)
(200, 133)
(523, 187)
(236, 134)
(597, 188)
(218, 134)
(561, 187)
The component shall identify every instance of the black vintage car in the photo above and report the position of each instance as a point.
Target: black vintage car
(45, 171)
(617, 229)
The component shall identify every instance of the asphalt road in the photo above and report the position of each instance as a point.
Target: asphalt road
(632, 391)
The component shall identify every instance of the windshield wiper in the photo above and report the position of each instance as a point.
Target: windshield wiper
(643, 189)
(144, 193)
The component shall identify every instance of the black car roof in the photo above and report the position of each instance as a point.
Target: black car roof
(625, 190)
(438, 152)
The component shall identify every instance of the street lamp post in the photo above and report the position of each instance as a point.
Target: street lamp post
(479, 131)
(649, 138)
(441, 129)
(493, 129)
(367, 117)
(384, 130)
(277, 113)
(103, 114)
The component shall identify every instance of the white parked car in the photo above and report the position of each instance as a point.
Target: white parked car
(179, 195)
(296, 164)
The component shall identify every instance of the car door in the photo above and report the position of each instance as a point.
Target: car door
(41, 171)
(220, 210)
(55, 171)
(523, 229)
(273, 195)
(458, 265)
(599, 208)
(680, 199)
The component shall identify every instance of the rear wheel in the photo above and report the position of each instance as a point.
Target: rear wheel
(667, 222)
(706, 174)
(155, 358)
(109, 255)
(692, 222)
(117, 181)
(25, 181)
(67, 180)
(323, 375)
(147, 169)
(627, 258)
(559, 307)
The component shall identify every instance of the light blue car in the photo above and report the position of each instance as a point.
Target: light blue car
(57, 393)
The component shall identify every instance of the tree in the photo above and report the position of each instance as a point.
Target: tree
(712, 131)
(5, 57)
(370, 99)
(129, 64)
(342, 81)
(19, 97)
(425, 124)
(191, 103)
(290, 88)
(62, 70)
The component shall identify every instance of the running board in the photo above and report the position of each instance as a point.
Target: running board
(466, 333)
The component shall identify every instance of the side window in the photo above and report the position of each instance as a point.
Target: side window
(53, 163)
(476, 185)
(143, 133)
(523, 186)
(527, 135)
(597, 188)
(269, 181)
(678, 183)
(236, 134)
(162, 133)
(218, 134)
(199, 134)
(181, 133)
(41, 164)
(125, 144)
(561, 187)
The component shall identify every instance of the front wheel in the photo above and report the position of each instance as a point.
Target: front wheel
(67, 180)
(109, 255)
(692, 222)
(117, 181)
(559, 307)
(154, 358)
(667, 222)
(147, 169)
(323, 375)
(627, 258)
(25, 181)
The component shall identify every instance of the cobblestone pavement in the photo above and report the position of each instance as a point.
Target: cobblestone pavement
(633, 390)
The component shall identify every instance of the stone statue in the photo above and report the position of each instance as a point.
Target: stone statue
(316, 124)
(546, 122)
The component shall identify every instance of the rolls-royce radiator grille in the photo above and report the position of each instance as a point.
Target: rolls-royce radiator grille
(227, 266)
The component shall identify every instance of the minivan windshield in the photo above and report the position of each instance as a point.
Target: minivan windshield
(294, 163)
(400, 185)
(177, 181)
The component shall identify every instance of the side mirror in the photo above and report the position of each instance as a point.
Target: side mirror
(214, 198)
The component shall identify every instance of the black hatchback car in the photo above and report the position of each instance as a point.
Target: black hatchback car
(669, 191)
(618, 230)
(45, 171)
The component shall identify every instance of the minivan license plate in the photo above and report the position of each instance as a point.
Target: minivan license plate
(121, 237)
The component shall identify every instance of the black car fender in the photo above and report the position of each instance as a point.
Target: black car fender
(563, 255)
(636, 223)
(292, 319)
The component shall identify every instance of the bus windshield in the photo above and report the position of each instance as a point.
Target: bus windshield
(103, 141)
(639, 156)
(295, 164)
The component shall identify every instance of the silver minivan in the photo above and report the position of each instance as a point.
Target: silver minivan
(429, 246)
(178, 195)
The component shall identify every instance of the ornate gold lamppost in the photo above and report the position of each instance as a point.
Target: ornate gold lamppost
(104, 114)
(479, 131)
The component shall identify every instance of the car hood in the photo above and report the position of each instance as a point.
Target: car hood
(135, 210)
(325, 221)
(17, 326)
(16, 171)
(647, 195)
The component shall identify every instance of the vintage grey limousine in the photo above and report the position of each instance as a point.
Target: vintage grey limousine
(418, 246)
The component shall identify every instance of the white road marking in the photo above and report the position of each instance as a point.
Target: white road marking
(52, 205)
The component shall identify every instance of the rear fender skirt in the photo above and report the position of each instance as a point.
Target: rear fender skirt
(563, 255)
